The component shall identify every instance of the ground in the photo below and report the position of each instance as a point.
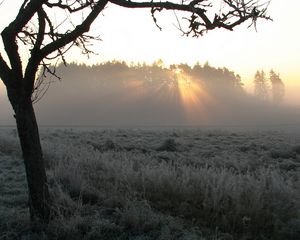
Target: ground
(158, 184)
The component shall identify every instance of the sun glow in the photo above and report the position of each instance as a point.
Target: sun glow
(192, 94)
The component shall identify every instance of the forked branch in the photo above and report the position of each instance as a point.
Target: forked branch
(234, 13)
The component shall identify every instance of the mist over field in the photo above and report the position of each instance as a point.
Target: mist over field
(115, 94)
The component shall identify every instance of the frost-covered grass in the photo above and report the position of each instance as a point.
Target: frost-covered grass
(158, 184)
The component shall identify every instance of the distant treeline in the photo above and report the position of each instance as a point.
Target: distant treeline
(117, 93)
(113, 72)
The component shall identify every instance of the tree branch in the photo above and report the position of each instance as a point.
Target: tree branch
(59, 41)
(26, 12)
(33, 63)
(192, 7)
(41, 32)
(69, 8)
(71, 36)
(238, 12)
(9, 34)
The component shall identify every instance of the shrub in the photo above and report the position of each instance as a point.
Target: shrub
(169, 145)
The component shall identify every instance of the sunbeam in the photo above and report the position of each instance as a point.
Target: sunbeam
(193, 97)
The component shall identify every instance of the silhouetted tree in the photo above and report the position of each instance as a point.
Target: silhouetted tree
(37, 27)
(277, 87)
(217, 77)
(261, 88)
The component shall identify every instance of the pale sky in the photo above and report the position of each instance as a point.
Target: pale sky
(131, 35)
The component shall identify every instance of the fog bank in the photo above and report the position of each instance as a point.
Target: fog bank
(115, 94)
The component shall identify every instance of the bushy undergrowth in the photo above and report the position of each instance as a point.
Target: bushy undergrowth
(181, 184)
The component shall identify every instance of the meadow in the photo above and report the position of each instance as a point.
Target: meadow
(144, 184)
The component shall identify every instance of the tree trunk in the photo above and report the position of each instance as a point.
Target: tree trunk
(39, 200)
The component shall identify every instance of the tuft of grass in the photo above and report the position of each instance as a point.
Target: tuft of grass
(169, 145)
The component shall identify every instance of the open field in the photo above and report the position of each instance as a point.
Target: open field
(158, 184)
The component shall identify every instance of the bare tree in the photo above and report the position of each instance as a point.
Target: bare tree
(46, 39)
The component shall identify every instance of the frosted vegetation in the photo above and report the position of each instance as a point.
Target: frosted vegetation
(158, 184)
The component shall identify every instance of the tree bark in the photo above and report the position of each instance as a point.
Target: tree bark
(39, 198)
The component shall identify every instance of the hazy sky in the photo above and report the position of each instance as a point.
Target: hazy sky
(131, 35)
